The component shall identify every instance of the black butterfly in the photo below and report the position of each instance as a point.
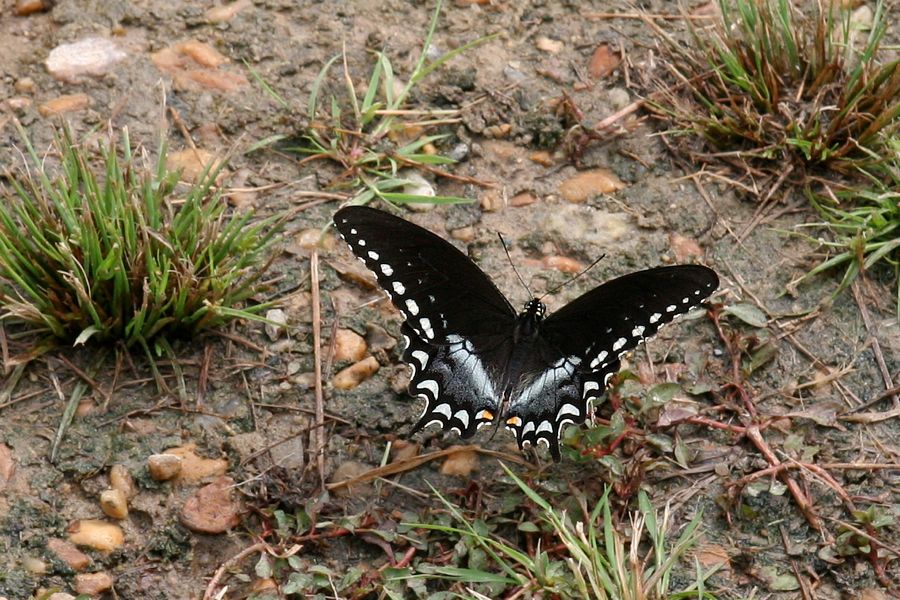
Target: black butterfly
(477, 362)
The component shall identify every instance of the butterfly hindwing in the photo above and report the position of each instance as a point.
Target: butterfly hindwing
(458, 384)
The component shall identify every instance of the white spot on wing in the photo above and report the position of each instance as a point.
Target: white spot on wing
(386, 269)
(353, 231)
(569, 409)
(425, 323)
(442, 409)
(463, 417)
(432, 386)
(620, 343)
(590, 386)
(421, 357)
(399, 288)
(671, 308)
(412, 307)
(638, 331)
(373, 255)
(545, 426)
(654, 318)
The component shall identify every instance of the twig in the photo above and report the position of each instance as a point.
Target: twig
(317, 357)
(876, 347)
(214, 582)
(411, 463)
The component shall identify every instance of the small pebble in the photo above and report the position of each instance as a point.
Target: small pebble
(545, 44)
(93, 584)
(352, 376)
(492, 200)
(463, 234)
(34, 565)
(460, 463)
(603, 62)
(587, 184)
(25, 85)
(96, 534)
(69, 554)
(28, 7)
(91, 56)
(195, 468)
(7, 465)
(64, 104)
(164, 467)
(314, 239)
(192, 162)
(347, 470)
(114, 504)
(541, 157)
(278, 321)
(211, 509)
(459, 152)
(60, 596)
(120, 479)
(18, 103)
(563, 263)
(522, 199)
(349, 346)
(220, 14)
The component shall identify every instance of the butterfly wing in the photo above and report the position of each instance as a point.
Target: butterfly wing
(458, 324)
(582, 343)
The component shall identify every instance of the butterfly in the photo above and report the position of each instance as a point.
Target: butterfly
(476, 361)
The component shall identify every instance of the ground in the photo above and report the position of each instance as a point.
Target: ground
(251, 400)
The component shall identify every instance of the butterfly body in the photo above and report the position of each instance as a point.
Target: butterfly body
(478, 362)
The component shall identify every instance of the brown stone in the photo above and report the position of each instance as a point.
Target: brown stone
(349, 346)
(114, 504)
(195, 468)
(587, 184)
(96, 534)
(28, 7)
(93, 584)
(460, 463)
(69, 554)
(164, 467)
(603, 62)
(352, 376)
(121, 479)
(212, 509)
(7, 465)
(64, 104)
(220, 14)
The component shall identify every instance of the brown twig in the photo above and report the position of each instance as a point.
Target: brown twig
(220, 572)
(408, 464)
(876, 347)
(317, 357)
(754, 435)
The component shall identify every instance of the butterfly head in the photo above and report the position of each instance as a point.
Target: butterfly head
(529, 319)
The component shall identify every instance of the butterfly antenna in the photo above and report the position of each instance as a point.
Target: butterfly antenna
(509, 258)
(568, 281)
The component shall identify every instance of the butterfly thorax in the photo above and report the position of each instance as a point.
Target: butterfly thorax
(528, 321)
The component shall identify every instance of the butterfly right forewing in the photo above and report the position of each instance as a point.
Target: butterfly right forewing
(437, 288)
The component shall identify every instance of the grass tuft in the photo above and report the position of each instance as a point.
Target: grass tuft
(106, 251)
(590, 559)
(371, 133)
(775, 89)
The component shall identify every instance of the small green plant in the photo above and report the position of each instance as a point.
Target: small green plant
(865, 223)
(783, 91)
(110, 253)
(371, 133)
(591, 558)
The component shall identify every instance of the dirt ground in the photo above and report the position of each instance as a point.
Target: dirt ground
(251, 404)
